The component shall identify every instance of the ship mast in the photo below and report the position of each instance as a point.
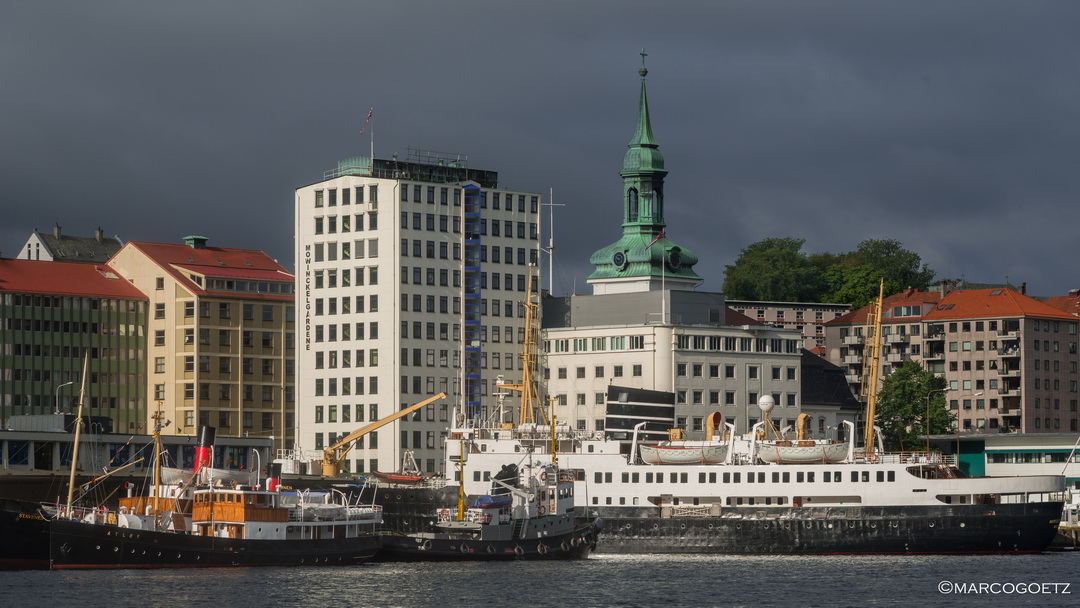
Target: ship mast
(530, 399)
(872, 366)
(78, 427)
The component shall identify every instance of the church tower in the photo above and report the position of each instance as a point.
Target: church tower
(644, 259)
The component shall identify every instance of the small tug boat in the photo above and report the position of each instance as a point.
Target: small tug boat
(529, 514)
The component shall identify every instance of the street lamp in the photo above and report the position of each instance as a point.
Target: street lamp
(926, 423)
(56, 401)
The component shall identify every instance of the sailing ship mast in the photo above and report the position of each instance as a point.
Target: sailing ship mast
(872, 366)
(78, 428)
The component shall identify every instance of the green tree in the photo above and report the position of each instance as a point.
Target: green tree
(902, 404)
(900, 267)
(855, 286)
(773, 269)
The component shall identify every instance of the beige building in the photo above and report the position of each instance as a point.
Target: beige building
(808, 318)
(220, 337)
(1010, 360)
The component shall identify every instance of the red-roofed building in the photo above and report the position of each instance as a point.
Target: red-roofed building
(51, 314)
(1010, 360)
(221, 337)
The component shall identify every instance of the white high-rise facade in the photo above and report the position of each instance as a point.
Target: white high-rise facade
(390, 257)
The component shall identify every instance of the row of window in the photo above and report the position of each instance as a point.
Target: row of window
(70, 303)
(349, 223)
(750, 477)
(225, 310)
(225, 337)
(499, 200)
(329, 387)
(73, 327)
(224, 392)
(562, 345)
(328, 279)
(372, 410)
(330, 196)
(1031, 457)
(225, 366)
(70, 352)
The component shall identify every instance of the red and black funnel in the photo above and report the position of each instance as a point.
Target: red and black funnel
(204, 448)
(273, 476)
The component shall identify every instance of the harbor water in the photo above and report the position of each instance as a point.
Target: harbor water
(1050, 579)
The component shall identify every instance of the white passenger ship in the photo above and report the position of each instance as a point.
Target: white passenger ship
(915, 502)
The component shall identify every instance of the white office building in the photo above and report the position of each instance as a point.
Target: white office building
(408, 272)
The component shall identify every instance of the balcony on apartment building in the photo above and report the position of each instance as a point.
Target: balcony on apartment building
(852, 359)
(896, 357)
(933, 354)
(896, 339)
(853, 340)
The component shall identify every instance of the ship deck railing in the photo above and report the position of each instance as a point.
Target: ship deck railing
(920, 457)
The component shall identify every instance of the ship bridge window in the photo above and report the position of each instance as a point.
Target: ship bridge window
(607, 477)
(738, 477)
(891, 476)
(799, 477)
(635, 477)
(712, 477)
(866, 475)
(776, 477)
(626, 477)
(598, 477)
(787, 477)
(749, 478)
(683, 478)
(827, 477)
(727, 477)
(701, 477)
(810, 476)
(881, 475)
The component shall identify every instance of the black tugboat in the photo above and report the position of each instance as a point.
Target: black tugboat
(529, 514)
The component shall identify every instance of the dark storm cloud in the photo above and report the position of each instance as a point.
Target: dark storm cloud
(949, 126)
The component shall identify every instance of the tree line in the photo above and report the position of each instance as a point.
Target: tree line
(777, 269)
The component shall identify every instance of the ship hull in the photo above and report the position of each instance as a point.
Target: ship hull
(576, 544)
(24, 536)
(74, 545)
(1000, 528)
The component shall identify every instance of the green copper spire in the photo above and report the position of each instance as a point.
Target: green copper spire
(644, 252)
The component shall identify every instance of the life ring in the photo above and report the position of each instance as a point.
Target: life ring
(491, 548)
(872, 458)
(463, 548)
(518, 551)
(564, 546)
(426, 545)
(541, 549)
(543, 476)
(541, 509)
(444, 514)
(575, 541)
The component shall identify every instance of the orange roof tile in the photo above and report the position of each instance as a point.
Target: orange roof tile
(1069, 303)
(65, 279)
(216, 262)
(991, 303)
(908, 297)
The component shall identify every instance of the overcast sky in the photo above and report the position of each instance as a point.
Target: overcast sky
(952, 127)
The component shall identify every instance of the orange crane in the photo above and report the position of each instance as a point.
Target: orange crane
(334, 456)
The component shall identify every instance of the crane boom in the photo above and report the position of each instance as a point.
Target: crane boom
(334, 455)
